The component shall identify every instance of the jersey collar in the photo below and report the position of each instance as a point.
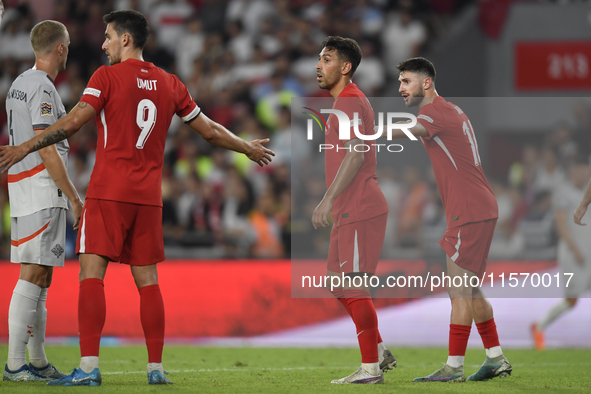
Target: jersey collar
(347, 88)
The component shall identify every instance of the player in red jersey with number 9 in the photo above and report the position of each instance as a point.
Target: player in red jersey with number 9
(134, 103)
(471, 215)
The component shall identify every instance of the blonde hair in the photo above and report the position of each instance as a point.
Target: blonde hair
(46, 34)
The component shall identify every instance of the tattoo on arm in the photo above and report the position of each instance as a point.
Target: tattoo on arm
(82, 104)
(50, 139)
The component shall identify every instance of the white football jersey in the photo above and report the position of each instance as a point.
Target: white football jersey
(33, 103)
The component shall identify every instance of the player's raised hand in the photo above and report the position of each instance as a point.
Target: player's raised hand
(578, 216)
(320, 215)
(10, 155)
(260, 154)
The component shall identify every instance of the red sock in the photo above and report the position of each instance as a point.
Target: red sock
(488, 333)
(380, 340)
(339, 294)
(152, 316)
(366, 321)
(458, 339)
(91, 315)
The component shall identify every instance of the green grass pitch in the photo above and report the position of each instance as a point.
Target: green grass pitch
(266, 370)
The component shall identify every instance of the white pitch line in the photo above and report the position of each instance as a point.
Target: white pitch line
(318, 368)
(228, 370)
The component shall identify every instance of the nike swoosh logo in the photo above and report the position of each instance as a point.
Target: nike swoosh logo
(359, 333)
(343, 263)
(74, 380)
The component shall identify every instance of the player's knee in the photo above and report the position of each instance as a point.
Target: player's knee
(35, 274)
(459, 292)
(338, 292)
(145, 275)
(38, 281)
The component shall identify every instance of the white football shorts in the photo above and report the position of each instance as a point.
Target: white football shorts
(39, 238)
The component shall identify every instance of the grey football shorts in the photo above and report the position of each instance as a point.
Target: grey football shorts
(39, 238)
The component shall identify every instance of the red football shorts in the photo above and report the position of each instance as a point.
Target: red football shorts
(468, 245)
(120, 231)
(356, 247)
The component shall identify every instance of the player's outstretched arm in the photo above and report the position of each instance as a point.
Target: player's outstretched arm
(57, 170)
(418, 131)
(345, 175)
(63, 128)
(216, 134)
(580, 211)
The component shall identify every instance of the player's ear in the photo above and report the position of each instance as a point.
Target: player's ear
(427, 82)
(346, 68)
(125, 39)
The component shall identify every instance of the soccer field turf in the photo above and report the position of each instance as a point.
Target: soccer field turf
(266, 370)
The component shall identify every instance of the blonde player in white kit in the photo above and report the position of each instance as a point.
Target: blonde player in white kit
(574, 248)
(37, 188)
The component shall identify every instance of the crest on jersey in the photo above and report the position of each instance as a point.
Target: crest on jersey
(46, 109)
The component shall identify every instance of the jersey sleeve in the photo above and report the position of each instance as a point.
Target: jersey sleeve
(431, 119)
(44, 106)
(352, 106)
(186, 107)
(97, 90)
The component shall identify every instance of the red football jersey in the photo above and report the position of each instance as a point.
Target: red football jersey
(135, 102)
(362, 199)
(451, 144)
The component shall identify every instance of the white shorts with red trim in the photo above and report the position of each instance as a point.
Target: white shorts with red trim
(39, 238)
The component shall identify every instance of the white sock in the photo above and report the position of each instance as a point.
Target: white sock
(372, 368)
(155, 366)
(494, 351)
(381, 349)
(554, 313)
(21, 318)
(36, 346)
(89, 363)
(455, 361)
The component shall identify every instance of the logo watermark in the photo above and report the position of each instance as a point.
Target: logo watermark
(345, 124)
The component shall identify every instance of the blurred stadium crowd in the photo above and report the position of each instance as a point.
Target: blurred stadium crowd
(242, 61)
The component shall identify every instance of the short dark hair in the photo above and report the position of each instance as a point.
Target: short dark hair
(347, 48)
(131, 22)
(418, 65)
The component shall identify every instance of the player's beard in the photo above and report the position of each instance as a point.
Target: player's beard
(415, 98)
(326, 83)
(114, 57)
